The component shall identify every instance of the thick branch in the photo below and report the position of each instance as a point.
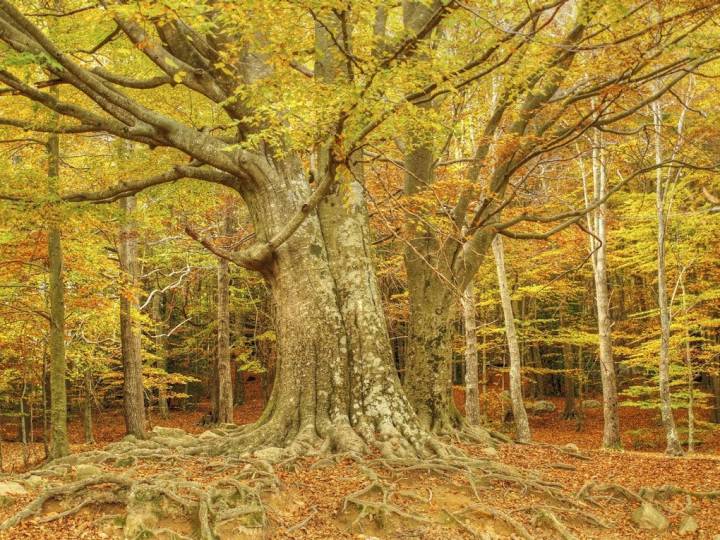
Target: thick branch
(164, 129)
(129, 82)
(124, 189)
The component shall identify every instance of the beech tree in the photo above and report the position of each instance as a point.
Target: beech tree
(59, 444)
(133, 387)
(522, 427)
(662, 185)
(367, 73)
(472, 394)
(542, 107)
(596, 223)
(222, 406)
(331, 328)
(372, 155)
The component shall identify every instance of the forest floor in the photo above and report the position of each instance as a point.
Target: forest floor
(310, 500)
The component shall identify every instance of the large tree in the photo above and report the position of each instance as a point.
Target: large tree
(343, 75)
(335, 380)
(537, 111)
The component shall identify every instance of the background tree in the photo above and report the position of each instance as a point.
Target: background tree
(522, 426)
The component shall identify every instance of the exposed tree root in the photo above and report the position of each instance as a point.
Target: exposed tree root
(551, 519)
(379, 510)
(302, 524)
(568, 449)
(655, 496)
(452, 426)
(61, 492)
(668, 490)
(230, 499)
(608, 491)
(234, 495)
(481, 474)
(461, 523)
(501, 516)
(208, 506)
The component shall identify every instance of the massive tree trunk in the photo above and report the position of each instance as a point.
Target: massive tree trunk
(59, 445)
(598, 247)
(472, 397)
(522, 426)
(431, 291)
(448, 260)
(133, 390)
(335, 381)
(222, 412)
(668, 420)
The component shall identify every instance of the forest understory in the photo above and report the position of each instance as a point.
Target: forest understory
(559, 486)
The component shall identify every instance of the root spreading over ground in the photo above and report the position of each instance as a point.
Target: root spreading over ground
(173, 485)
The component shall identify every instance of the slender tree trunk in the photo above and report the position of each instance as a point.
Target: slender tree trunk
(472, 397)
(522, 426)
(239, 387)
(214, 387)
(598, 248)
(31, 406)
(160, 353)
(59, 445)
(44, 397)
(690, 373)
(129, 330)
(570, 408)
(163, 408)
(673, 442)
(715, 388)
(544, 383)
(484, 378)
(87, 407)
(223, 412)
(23, 425)
(580, 416)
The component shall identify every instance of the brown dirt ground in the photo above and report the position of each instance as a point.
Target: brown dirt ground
(318, 494)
